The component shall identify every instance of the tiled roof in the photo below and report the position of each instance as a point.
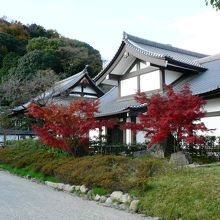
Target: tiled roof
(159, 51)
(62, 85)
(58, 88)
(163, 51)
(110, 104)
(207, 81)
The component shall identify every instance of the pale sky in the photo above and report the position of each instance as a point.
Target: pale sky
(188, 24)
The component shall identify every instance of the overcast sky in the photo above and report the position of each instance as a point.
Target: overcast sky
(188, 24)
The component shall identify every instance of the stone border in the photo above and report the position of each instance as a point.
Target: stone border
(116, 199)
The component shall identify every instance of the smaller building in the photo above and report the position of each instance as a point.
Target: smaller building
(63, 92)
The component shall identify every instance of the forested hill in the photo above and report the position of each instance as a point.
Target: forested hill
(27, 49)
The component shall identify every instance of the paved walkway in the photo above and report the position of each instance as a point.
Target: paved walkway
(21, 199)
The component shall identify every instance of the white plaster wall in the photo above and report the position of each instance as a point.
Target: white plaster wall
(212, 123)
(104, 133)
(150, 81)
(171, 76)
(134, 68)
(104, 130)
(212, 105)
(89, 90)
(128, 132)
(140, 135)
(144, 65)
(129, 86)
(86, 89)
(94, 134)
(77, 89)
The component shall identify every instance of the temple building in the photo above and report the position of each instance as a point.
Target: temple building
(145, 66)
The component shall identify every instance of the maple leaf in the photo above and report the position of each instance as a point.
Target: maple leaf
(175, 113)
(67, 127)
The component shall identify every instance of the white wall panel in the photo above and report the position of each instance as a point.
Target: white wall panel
(140, 135)
(94, 134)
(150, 81)
(129, 86)
(128, 132)
(212, 105)
(212, 123)
(89, 90)
(171, 76)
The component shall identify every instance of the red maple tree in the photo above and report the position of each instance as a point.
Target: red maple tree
(171, 113)
(67, 127)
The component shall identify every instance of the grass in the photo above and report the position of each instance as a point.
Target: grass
(186, 194)
(27, 172)
(99, 190)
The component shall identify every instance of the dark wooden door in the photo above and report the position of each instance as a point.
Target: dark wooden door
(115, 135)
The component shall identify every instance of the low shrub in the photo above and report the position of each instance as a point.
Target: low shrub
(33, 143)
(109, 172)
(25, 143)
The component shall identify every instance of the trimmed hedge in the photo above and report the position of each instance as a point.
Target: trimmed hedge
(110, 172)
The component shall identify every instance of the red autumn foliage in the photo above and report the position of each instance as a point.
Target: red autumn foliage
(67, 127)
(176, 113)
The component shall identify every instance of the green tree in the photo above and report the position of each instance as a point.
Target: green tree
(15, 29)
(44, 43)
(76, 55)
(10, 60)
(214, 3)
(33, 61)
(41, 49)
(35, 30)
(9, 43)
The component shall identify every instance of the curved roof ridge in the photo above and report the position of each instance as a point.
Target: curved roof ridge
(84, 71)
(209, 58)
(110, 63)
(149, 53)
(162, 46)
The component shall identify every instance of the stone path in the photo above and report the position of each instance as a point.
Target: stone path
(21, 199)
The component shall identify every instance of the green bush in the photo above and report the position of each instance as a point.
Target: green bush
(25, 143)
(31, 143)
(109, 172)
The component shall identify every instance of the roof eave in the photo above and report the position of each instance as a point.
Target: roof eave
(112, 113)
(211, 93)
(185, 65)
(136, 39)
(94, 86)
(110, 64)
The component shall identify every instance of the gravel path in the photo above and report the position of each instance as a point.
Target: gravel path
(23, 200)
